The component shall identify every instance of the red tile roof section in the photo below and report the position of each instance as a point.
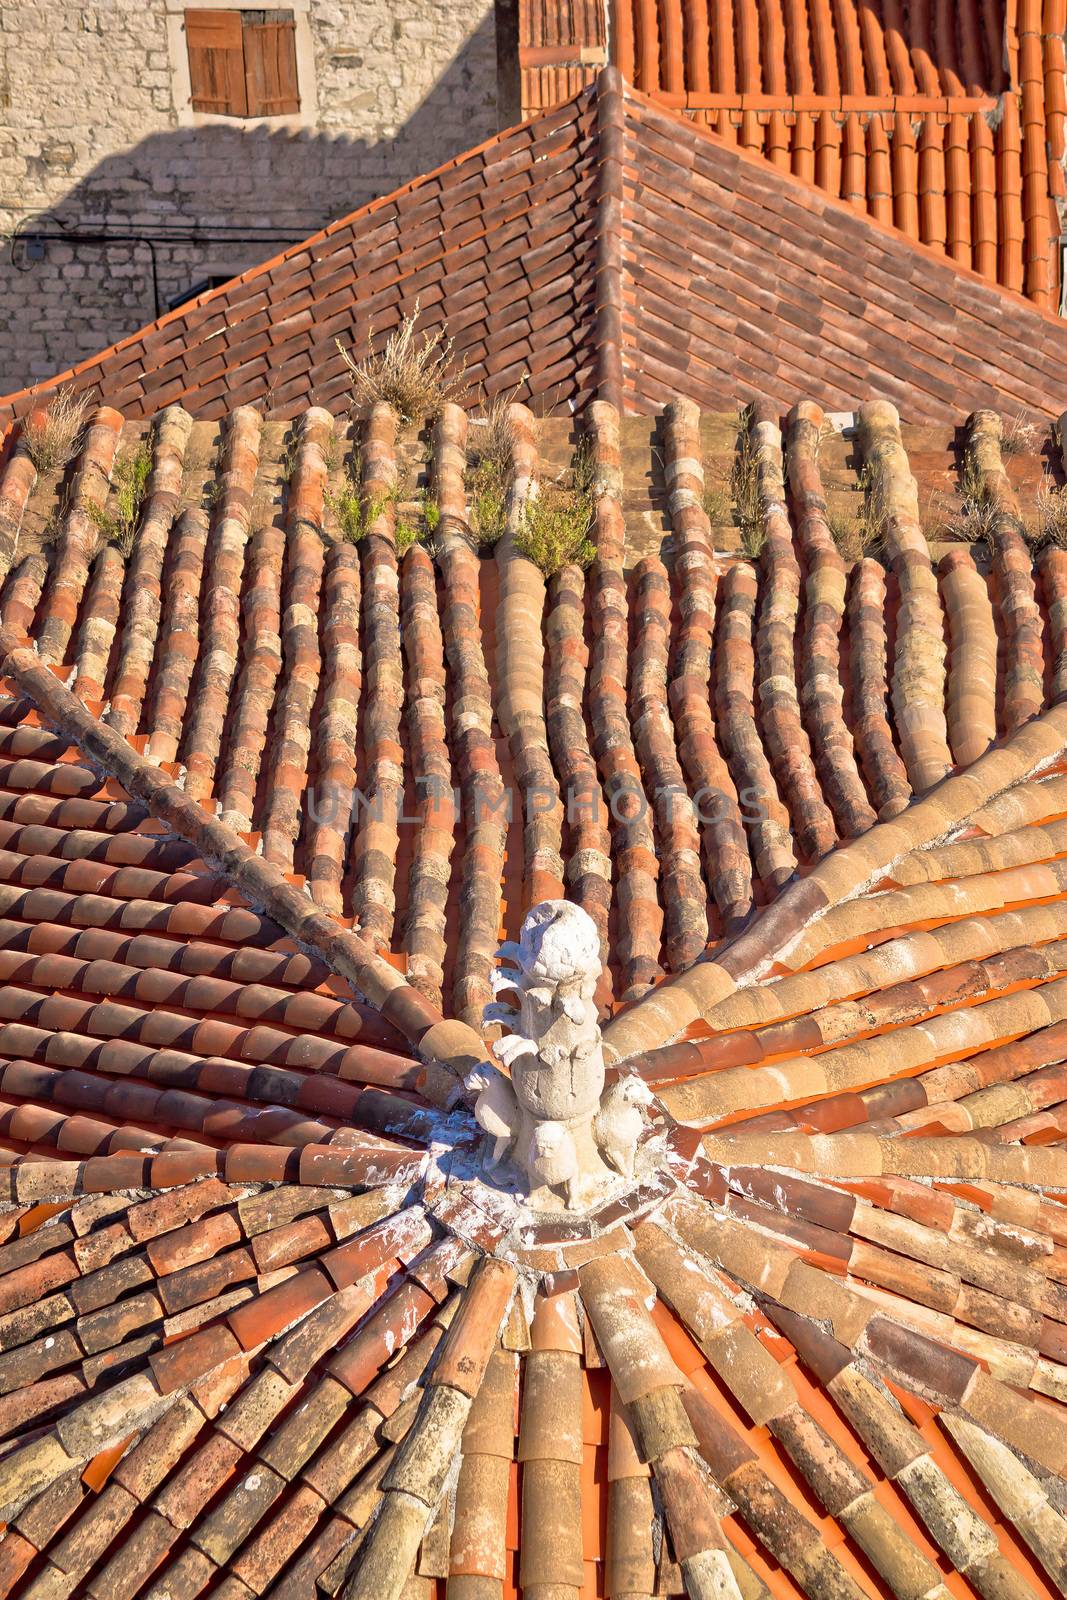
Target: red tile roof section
(945, 119)
(741, 277)
(611, 246)
(251, 1329)
(497, 246)
(562, 46)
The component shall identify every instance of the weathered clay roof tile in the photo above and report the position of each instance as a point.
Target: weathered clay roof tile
(610, 232)
(836, 93)
(261, 1330)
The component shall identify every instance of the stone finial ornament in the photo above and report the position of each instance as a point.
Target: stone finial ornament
(563, 1131)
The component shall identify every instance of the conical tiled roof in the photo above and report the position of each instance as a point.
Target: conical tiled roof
(268, 1325)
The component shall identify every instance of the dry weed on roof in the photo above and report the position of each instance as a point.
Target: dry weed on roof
(416, 373)
(52, 437)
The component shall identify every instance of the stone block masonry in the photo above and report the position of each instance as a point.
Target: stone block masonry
(97, 137)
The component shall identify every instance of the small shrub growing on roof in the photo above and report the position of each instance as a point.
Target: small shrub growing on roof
(52, 438)
(557, 520)
(117, 520)
(345, 504)
(555, 528)
(354, 515)
(414, 373)
(488, 470)
(488, 493)
(407, 532)
(419, 528)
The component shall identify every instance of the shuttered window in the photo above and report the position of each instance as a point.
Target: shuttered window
(242, 63)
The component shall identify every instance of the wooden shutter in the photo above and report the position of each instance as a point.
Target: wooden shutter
(216, 62)
(270, 67)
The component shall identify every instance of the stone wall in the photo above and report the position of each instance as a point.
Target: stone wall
(95, 138)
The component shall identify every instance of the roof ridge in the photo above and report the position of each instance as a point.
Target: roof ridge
(610, 255)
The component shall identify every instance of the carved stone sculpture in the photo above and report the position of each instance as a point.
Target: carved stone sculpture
(563, 1132)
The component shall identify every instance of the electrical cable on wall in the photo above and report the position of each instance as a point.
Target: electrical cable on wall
(27, 240)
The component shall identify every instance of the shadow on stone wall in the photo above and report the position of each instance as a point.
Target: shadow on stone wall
(207, 202)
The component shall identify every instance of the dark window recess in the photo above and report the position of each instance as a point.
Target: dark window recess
(214, 281)
(242, 63)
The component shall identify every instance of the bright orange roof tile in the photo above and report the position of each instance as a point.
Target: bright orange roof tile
(870, 59)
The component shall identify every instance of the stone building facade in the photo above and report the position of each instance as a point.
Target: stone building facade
(118, 197)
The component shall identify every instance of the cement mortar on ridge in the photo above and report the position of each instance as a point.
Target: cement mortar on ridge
(466, 1198)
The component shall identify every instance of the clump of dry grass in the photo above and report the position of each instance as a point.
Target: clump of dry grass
(52, 437)
(853, 534)
(491, 436)
(716, 502)
(556, 527)
(1018, 437)
(116, 522)
(860, 531)
(416, 373)
(875, 519)
(1050, 516)
(744, 483)
(975, 520)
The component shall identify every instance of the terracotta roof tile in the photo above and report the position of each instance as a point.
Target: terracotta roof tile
(264, 1329)
(837, 94)
(608, 224)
